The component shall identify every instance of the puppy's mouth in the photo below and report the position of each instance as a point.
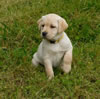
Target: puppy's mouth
(52, 40)
(44, 36)
(48, 38)
(55, 39)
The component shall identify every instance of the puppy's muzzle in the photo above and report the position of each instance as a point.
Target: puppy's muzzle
(44, 34)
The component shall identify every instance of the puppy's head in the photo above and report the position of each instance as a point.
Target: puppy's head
(51, 25)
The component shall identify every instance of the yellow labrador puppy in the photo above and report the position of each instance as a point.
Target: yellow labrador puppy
(55, 48)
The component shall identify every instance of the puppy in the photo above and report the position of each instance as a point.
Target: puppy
(55, 48)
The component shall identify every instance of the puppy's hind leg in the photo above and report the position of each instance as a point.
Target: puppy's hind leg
(66, 66)
(35, 60)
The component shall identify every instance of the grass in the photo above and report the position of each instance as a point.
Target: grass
(20, 37)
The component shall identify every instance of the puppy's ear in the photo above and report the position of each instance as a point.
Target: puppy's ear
(39, 22)
(62, 25)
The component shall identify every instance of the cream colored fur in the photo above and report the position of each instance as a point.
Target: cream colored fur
(53, 55)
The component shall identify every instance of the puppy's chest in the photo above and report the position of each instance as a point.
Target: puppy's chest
(53, 48)
(55, 54)
(56, 58)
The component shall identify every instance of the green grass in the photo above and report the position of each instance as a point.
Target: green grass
(19, 40)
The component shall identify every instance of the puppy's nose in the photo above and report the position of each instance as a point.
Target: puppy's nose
(44, 34)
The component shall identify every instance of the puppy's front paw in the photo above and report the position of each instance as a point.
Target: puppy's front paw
(51, 77)
(35, 64)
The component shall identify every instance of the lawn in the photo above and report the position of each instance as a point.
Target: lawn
(19, 40)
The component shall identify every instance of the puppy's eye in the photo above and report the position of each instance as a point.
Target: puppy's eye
(52, 26)
(43, 25)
